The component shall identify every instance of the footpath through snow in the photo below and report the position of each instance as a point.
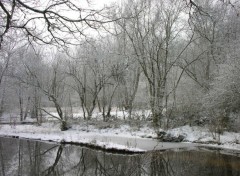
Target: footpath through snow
(123, 138)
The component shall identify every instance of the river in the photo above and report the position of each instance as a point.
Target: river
(35, 158)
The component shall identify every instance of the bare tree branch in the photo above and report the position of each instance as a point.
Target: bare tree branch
(60, 22)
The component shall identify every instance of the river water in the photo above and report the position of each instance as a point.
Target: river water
(34, 158)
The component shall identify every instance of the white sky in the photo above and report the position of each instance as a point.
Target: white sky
(101, 3)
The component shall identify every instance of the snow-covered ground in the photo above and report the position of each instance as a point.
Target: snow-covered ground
(118, 134)
(122, 137)
(228, 140)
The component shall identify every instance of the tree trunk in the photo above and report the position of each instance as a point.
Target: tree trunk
(27, 108)
(2, 101)
(21, 106)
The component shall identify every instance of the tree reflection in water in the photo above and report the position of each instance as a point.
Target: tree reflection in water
(21, 157)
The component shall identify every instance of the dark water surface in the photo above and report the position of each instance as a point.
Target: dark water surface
(33, 158)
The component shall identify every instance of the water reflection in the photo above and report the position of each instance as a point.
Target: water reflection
(21, 157)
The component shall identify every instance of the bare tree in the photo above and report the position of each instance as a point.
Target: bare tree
(152, 34)
(87, 77)
(28, 95)
(7, 54)
(116, 76)
(132, 71)
(49, 79)
(54, 90)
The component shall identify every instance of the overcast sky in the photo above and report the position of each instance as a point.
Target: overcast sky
(101, 3)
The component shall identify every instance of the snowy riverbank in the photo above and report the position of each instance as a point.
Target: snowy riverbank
(122, 138)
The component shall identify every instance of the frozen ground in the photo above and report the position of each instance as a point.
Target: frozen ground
(120, 136)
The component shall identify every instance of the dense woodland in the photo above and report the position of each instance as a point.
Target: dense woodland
(177, 58)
